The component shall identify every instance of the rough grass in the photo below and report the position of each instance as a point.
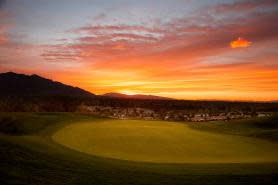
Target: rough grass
(265, 128)
(29, 156)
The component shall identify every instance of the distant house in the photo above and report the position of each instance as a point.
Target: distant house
(263, 114)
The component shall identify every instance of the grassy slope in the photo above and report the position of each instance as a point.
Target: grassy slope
(266, 128)
(28, 156)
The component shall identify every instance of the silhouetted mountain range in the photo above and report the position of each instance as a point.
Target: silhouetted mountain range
(21, 85)
(13, 84)
(136, 96)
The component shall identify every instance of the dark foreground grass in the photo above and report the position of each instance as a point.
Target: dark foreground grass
(29, 156)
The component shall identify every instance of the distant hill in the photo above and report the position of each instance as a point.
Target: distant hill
(13, 84)
(136, 96)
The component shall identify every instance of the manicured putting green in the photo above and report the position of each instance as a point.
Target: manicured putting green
(163, 142)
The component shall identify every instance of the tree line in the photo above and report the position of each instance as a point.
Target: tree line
(71, 104)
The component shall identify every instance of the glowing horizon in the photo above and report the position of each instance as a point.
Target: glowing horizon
(225, 50)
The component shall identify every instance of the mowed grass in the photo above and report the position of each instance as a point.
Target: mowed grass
(164, 142)
(29, 156)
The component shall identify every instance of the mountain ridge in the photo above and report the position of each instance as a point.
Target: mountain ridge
(14, 84)
(136, 96)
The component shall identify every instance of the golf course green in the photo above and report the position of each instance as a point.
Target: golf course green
(75, 149)
(163, 142)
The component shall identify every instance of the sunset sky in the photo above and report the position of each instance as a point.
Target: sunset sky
(185, 49)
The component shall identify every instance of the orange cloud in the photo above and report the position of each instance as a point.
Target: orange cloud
(3, 39)
(119, 47)
(240, 43)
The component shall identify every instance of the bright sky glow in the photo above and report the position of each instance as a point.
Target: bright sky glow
(178, 48)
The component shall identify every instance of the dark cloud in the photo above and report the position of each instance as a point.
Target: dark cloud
(100, 17)
(247, 5)
(2, 3)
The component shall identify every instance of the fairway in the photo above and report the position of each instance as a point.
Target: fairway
(30, 156)
(163, 142)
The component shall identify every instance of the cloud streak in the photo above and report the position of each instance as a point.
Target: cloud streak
(243, 6)
(177, 39)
